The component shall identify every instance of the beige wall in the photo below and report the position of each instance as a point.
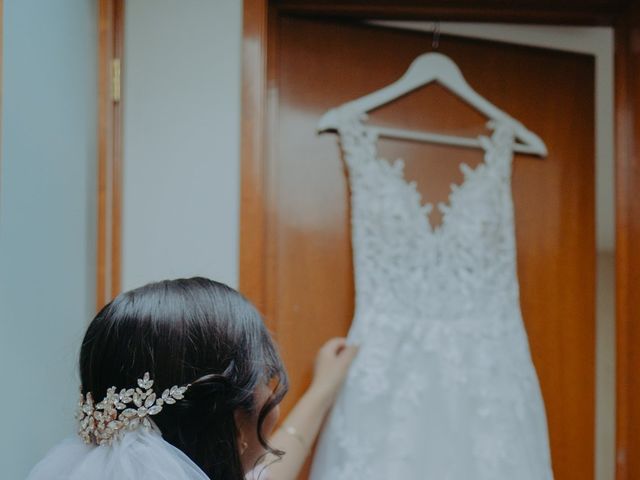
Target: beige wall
(181, 182)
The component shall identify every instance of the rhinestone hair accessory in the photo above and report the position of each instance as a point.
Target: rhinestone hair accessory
(101, 423)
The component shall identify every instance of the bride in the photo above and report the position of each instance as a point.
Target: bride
(180, 380)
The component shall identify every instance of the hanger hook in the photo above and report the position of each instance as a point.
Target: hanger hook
(436, 35)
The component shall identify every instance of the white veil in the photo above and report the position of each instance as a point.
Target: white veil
(140, 454)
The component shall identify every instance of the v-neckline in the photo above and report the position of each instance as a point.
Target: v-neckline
(444, 206)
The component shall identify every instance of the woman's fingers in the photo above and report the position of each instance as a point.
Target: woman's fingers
(348, 353)
(332, 365)
(335, 345)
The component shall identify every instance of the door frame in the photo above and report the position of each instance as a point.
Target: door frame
(109, 161)
(258, 80)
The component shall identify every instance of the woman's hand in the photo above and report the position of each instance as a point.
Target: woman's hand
(332, 364)
(299, 431)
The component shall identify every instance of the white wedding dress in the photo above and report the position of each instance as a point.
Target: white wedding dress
(443, 387)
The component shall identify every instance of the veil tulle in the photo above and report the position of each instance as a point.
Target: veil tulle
(140, 454)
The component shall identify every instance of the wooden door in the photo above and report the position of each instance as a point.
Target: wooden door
(305, 274)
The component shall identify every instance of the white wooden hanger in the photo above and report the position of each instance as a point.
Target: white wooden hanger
(425, 69)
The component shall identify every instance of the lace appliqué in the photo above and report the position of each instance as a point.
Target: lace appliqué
(438, 318)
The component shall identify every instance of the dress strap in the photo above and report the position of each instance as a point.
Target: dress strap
(499, 147)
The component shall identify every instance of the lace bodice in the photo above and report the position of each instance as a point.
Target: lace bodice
(438, 318)
(402, 261)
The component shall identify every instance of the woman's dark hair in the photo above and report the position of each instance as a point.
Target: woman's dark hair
(188, 331)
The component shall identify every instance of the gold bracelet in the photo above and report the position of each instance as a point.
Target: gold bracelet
(294, 433)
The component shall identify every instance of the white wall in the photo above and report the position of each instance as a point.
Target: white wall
(181, 140)
(47, 204)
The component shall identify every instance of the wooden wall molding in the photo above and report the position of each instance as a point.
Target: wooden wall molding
(110, 47)
(253, 183)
